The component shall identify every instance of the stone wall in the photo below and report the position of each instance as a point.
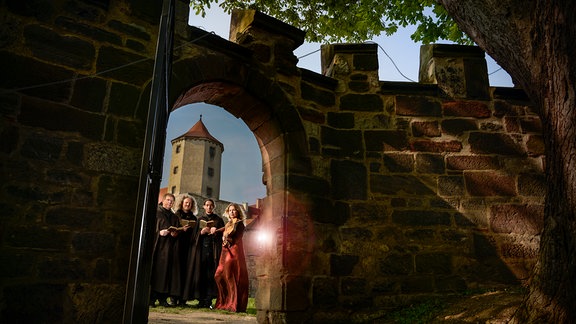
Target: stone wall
(72, 131)
(379, 193)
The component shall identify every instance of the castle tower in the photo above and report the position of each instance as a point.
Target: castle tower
(196, 162)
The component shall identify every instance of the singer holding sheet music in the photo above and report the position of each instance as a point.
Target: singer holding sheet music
(203, 259)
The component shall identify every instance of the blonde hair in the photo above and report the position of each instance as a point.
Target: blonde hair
(241, 212)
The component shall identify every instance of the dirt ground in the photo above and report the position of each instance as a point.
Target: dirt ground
(493, 307)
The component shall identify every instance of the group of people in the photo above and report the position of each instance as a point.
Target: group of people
(199, 258)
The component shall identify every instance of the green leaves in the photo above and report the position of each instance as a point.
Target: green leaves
(333, 21)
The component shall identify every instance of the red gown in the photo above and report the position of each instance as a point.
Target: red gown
(232, 275)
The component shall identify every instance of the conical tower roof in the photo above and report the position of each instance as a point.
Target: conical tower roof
(199, 130)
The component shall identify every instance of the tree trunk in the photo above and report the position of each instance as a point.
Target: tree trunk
(535, 42)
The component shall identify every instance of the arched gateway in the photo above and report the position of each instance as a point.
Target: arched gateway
(222, 76)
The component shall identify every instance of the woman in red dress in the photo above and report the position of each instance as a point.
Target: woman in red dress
(232, 275)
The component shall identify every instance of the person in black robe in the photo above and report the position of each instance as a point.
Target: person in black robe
(165, 281)
(186, 210)
(203, 260)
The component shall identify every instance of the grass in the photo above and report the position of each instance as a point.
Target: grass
(193, 307)
(419, 313)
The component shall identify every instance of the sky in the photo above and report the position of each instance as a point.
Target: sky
(241, 161)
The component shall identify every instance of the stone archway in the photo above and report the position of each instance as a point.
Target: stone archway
(279, 135)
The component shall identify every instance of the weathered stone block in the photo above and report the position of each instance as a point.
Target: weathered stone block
(114, 192)
(362, 102)
(47, 298)
(420, 235)
(512, 125)
(430, 163)
(349, 180)
(535, 145)
(89, 94)
(130, 133)
(349, 142)
(42, 147)
(359, 86)
(365, 62)
(130, 29)
(420, 217)
(472, 162)
(398, 162)
(62, 269)
(503, 108)
(369, 212)
(417, 284)
(486, 183)
(323, 293)
(9, 105)
(75, 153)
(135, 46)
(451, 186)
(94, 243)
(16, 265)
(73, 217)
(397, 264)
(417, 106)
(437, 147)
(385, 140)
(495, 143)
(353, 286)
(474, 109)
(10, 136)
(519, 251)
(65, 50)
(123, 99)
(38, 238)
(531, 125)
(458, 126)
(450, 284)
(517, 219)
(532, 184)
(425, 128)
(398, 184)
(484, 246)
(436, 263)
(90, 31)
(324, 211)
(26, 72)
(322, 97)
(340, 120)
(56, 117)
(110, 58)
(342, 265)
(296, 287)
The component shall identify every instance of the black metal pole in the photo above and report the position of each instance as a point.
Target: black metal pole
(137, 298)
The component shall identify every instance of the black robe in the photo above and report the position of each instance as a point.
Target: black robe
(202, 263)
(165, 279)
(186, 243)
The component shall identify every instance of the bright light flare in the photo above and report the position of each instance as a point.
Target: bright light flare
(263, 238)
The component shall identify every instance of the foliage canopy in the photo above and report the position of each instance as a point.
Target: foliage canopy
(333, 21)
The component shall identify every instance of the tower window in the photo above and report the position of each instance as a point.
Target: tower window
(178, 147)
(212, 152)
(173, 189)
(175, 171)
(209, 191)
(211, 172)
